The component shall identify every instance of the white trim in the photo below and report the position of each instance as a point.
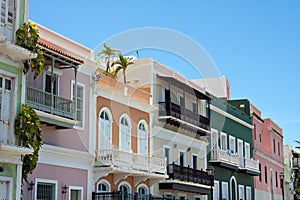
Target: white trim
(245, 152)
(125, 183)
(224, 184)
(234, 147)
(39, 180)
(103, 181)
(19, 181)
(218, 192)
(230, 186)
(214, 131)
(225, 114)
(144, 186)
(170, 153)
(184, 157)
(83, 107)
(248, 188)
(126, 116)
(142, 121)
(80, 188)
(110, 119)
(221, 141)
(192, 160)
(10, 186)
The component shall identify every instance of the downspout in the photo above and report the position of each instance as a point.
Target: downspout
(75, 94)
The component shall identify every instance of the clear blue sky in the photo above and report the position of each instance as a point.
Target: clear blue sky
(255, 44)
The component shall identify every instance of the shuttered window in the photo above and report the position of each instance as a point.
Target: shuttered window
(4, 190)
(80, 103)
(45, 191)
(7, 19)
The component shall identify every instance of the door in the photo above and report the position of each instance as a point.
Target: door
(142, 139)
(5, 108)
(241, 153)
(105, 139)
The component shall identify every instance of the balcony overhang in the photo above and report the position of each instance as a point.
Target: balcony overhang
(54, 120)
(185, 187)
(251, 172)
(13, 153)
(228, 165)
(15, 52)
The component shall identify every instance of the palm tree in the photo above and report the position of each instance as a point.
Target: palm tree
(107, 52)
(122, 63)
(298, 142)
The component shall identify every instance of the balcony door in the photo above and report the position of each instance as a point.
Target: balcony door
(105, 138)
(142, 138)
(240, 152)
(48, 81)
(7, 19)
(124, 134)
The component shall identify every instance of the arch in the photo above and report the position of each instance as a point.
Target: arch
(105, 129)
(143, 186)
(103, 186)
(123, 185)
(142, 137)
(233, 188)
(125, 133)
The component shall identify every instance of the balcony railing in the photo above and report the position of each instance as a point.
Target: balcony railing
(119, 195)
(131, 161)
(49, 103)
(220, 155)
(176, 111)
(188, 174)
(296, 162)
(251, 164)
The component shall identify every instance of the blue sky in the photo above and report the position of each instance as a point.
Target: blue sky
(255, 44)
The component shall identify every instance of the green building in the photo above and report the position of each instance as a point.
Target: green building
(12, 90)
(231, 152)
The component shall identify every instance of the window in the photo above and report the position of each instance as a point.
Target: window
(5, 187)
(232, 144)
(124, 134)
(6, 106)
(216, 190)
(75, 193)
(142, 138)
(260, 137)
(80, 103)
(224, 141)
(276, 179)
(193, 107)
(125, 190)
(247, 150)
(180, 100)
(266, 174)
(214, 139)
(167, 154)
(274, 145)
(142, 193)
(260, 172)
(181, 196)
(225, 190)
(46, 189)
(195, 161)
(181, 159)
(241, 192)
(254, 131)
(7, 19)
(278, 148)
(248, 193)
(105, 138)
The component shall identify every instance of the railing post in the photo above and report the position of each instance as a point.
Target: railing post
(93, 196)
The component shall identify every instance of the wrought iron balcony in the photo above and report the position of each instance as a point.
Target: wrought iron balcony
(130, 161)
(183, 117)
(225, 158)
(49, 103)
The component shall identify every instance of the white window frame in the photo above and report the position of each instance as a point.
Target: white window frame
(178, 98)
(105, 109)
(216, 192)
(79, 188)
(125, 183)
(124, 115)
(184, 157)
(225, 185)
(38, 180)
(103, 181)
(192, 160)
(47, 72)
(139, 136)
(236, 186)
(9, 28)
(83, 102)
(247, 197)
(170, 153)
(241, 188)
(221, 141)
(232, 149)
(249, 153)
(191, 106)
(10, 185)
(216, 132)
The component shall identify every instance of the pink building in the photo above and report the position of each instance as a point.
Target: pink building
(61, 99)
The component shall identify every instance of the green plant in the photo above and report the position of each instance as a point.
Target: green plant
(29, 131)
(27, 37)
(122, 63)
(107, 52)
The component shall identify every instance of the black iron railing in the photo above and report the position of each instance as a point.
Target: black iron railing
(119, 195)
(177, 111)
(188, 174)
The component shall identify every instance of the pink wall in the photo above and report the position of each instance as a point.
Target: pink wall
(64, 176)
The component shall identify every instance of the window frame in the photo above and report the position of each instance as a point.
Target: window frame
(232, 138)
(170, 153)
(243, 189)
(142, 121)
(103, 181)
(184, 157)
(10, 185)
(83, 102)
(124, 115)
(216, 197)
(215, 132)
(247, 155)
(105, 109)
(79, 188)
(221, 141)
(192, 160)
(225, 184)
(248, 188)
(49, 181)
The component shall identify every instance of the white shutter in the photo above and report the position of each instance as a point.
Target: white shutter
(241, 192)
(216, 190)
(224, 190)
(4, 190)
(248, 193)
(7, 19)
(5, 108)
(247, 150)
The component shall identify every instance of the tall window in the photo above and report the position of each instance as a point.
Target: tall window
(266, 174)
(195, 161)
(167, 154)
(232, 144)
(6, 106)
(279, 148)
(214, 139)
(5, 188)
(181, 159)
(224, 141)
(260, 172)
(241, 192)
(142, 138)
(80, 103)
(216, 190)
(46, 190)
(274, 145)
(48, 81)
(124, 134)
(254, 131)
(248, 193)
(247, 150)
(276, 179)
(224, 190)
(105, 139)
(7, 19)
(142, 193)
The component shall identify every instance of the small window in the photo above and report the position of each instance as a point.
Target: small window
(266, 174)
(75, 193)
(276, 179)
(46, 190)
(167, 154)
(181, 160)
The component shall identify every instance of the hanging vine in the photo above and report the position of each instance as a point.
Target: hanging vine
(29, 131)
(27, 37)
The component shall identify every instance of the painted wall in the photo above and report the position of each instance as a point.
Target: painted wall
(9, 170)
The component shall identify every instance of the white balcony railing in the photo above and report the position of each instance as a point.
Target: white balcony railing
(220, 155)
(131, 161)
(251, 164)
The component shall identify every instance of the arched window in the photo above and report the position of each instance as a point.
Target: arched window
(142, 137)
(233, 188)
(125, 190)
(105, 136)
(103, 186)
(143, 193)
(124, 133)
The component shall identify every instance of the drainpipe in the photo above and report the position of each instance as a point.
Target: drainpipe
(75, 94)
